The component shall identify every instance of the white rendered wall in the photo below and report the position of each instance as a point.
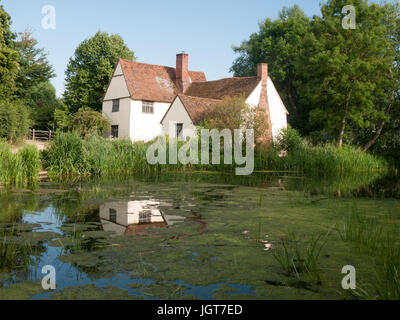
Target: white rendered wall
(146, 127)
(120, 118)
(277, 110)
(177, 114)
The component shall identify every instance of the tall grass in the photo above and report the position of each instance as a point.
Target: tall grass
(297, 257)
(71, 156)
(327, 159)
(383, 243)
(19, 169)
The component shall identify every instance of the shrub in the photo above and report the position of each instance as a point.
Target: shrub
(87, 122)
(14, 121)
(289, 140)
(66, 156)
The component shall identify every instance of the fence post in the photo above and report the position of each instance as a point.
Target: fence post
(33, 134)
(50, 135)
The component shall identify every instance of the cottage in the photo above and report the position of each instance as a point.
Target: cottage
(142, 100)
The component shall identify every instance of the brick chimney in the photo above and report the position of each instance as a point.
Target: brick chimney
(183, 80)
(262, 71)
(262, 75)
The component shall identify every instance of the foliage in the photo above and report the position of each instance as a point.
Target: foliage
(278, 44)
(234, 113)
(297, 257)
(14, 121)
(8, 57)
(380, 240)
(34, 67)
(62, 117)
(88, 122)
(90, 69)
(21, 168)
(339, 85)
(289, 140)
(314, 160)
(42, 102)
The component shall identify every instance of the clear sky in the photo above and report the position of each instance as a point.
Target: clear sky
(156, 30)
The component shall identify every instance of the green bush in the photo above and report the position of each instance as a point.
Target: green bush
(87, 122)
(289, 140)
(14, 121)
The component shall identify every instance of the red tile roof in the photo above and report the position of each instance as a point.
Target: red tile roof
(152, 82)
(218, 89)
(197, 107)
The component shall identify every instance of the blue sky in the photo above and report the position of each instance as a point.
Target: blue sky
(156, 30)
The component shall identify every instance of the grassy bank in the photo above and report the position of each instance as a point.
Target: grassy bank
(327, 159)
(71, 156)
(21, 168)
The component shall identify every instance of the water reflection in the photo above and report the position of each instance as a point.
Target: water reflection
(135, 217)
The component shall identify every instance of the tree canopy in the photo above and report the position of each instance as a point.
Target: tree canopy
(90, 69)
(339, 84)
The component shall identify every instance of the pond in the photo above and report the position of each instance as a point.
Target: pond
(198, 236)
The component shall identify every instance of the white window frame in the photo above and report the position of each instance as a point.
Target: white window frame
(148, 107)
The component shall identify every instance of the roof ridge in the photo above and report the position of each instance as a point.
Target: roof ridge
(155, 65)
(196, 97)
(239, 78)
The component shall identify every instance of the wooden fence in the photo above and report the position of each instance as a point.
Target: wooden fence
(40, 135)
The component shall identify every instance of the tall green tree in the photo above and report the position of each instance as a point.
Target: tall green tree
(344, 72)
(35, 68)
(277, 43)
(91, 68)
(8, 57)
(42, 102)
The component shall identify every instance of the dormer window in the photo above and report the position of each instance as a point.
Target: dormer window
(148, 107)
(115, 105)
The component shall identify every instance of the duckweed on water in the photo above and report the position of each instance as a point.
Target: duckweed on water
(216, 247)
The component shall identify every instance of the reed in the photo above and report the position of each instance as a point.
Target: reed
(381, 242)
(19, 169)
(297, 257)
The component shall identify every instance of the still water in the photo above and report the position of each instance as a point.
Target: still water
(192, 236)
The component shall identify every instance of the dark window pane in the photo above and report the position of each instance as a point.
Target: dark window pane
(114, 131)
(113, 215)
(144, 217)
(179, 130)
(115, 107)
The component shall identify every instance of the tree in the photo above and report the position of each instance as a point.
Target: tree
(344, 72)
(42, 102)
(34, 66)
(14, 120)
(8, 57)
(90, 69)
(233, 113)
(277, 43)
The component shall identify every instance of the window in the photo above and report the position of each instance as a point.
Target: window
(114, 131)
(115, 106)
(113, 215)
(148, 107)
(179, 130)
(144, 217)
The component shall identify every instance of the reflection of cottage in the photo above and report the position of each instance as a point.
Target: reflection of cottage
(143, 99)
(127, 217)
